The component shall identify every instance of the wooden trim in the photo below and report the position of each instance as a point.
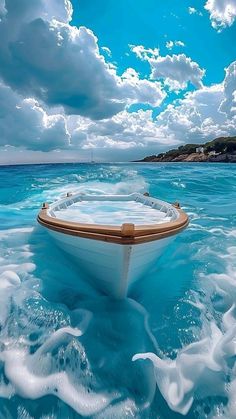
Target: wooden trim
(125, 234)
(127, 230)
(139, 230)
(114, 239)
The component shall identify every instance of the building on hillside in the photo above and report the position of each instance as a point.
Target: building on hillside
(213, 153)
(200, 150)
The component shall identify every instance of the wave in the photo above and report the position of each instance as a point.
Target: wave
(168, 349)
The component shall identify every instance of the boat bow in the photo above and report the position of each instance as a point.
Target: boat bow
(127, 233)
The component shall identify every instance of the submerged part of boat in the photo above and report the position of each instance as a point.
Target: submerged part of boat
(115, 239)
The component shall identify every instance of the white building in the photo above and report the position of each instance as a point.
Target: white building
(212, 153)
(199, 150)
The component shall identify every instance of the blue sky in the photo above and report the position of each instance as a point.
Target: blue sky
(122, 79)
(152, 23)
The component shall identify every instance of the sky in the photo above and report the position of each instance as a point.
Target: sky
(116, 80)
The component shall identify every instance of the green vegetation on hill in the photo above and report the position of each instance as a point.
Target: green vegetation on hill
(183, 149)
(222, 146)
(219, 145)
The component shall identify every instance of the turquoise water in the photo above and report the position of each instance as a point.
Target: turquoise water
(67, 351)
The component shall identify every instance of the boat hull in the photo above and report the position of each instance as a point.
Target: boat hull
(111, 267)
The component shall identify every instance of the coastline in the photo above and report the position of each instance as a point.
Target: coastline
(207, 160)
(220, 150)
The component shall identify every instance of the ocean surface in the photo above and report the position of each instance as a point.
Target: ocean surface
(168, 350)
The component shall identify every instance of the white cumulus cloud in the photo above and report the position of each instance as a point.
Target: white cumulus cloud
(176, 70)
(204, 114)
(229, 103)
(201, 115)
(43, 56)
(58, 91)
(141, 91)
(24, 123)
(144, 53)
(128, 135)
(107, 51)
(222, 12)
(172, 44)
(179, 69)
(193, 11)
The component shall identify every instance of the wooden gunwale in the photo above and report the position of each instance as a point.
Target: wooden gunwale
(114, 239)
(114, 234)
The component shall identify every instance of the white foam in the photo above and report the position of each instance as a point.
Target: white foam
(201, 369)
(6, 233)
(115, 213)
(9, 279)
(195, 367)
(18, 363)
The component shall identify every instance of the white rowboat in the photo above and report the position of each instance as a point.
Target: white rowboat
(115, 239)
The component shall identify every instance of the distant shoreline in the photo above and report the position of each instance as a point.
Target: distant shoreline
(185, 161)
(104, 163)
(62, 163)
(181, 162)
(220, 150)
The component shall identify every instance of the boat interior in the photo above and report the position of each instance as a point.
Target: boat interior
(118, 209)
(122, 219)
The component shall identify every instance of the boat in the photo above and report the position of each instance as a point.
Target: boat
(115, 239)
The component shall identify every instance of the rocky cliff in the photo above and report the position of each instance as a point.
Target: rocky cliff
(219, 150)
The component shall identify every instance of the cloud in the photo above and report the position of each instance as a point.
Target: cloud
(57, 9)
(60, 93)
(205, 114)
(131, 128)
(176, 70)
(107, 51)
(141, 91)
(201, 115)
(222, 13)
(179, 69)
(144, 53)
(24, 123)
(43, 56)
(171, 44)
(196, 117)
(229, 103)
(193, 11)
(126, 135)
(18, 12)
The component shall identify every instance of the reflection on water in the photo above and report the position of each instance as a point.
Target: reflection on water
(67, 351)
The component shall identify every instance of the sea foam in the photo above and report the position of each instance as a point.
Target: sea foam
(66, 350)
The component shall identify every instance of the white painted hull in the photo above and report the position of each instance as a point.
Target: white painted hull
(111, 267)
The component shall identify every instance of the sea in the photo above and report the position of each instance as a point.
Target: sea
(166, 351)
